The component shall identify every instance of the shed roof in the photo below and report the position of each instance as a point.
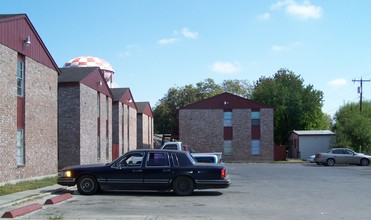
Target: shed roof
(226, 101)
(313, 132)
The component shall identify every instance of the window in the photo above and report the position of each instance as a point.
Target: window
(107, 108)
(98, 105)
(20, 78)
(255, 118)
(157, 160)
(255, 147)
(98, 148)
(171, 147)
(228, 150)
(132, 160)
(175, 160)
(107, 148)
(20, 147)
(227, 119)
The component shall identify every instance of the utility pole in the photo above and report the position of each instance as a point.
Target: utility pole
(360, 90)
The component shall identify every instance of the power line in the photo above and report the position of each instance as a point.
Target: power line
(360, 90)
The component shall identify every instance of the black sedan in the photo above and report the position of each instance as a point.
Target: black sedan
(146, 170)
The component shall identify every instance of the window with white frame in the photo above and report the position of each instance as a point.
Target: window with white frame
(255, 147)
(255, 118)
(227, 119)
(20, 78)
(20, 147)
(228, 150)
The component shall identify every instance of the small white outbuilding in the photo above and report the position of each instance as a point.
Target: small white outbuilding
(303, 144)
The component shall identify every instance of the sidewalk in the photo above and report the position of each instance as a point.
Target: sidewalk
(22, 199)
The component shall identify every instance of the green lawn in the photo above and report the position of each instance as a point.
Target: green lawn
(27, 185)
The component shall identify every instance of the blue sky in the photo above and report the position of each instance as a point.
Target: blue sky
(154, 45)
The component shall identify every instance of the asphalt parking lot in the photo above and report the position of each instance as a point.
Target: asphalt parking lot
(258, 191)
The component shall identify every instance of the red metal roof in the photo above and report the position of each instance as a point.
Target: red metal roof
(226, 101)
(14, 29)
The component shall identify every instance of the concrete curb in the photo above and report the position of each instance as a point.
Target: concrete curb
(58, 199)
(22, 210)
(36, 206)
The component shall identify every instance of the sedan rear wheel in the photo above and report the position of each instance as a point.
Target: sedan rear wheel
(364, 162)
(330, 162)
(87, 185)
(183, 186)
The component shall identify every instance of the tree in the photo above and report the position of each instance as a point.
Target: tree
(353, 128)
(296, 106)
(237, 87)
(165, 112)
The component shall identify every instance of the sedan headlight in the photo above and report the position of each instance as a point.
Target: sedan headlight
(67, 173)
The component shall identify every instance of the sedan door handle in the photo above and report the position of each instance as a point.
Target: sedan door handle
(166, 170)
(137, 171)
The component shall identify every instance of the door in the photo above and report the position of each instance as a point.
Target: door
(157, 173)
(127, 173)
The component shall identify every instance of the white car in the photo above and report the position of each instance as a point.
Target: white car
(311, 159)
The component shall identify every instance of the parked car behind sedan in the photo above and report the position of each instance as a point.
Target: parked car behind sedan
(147, 170)
(342, 156)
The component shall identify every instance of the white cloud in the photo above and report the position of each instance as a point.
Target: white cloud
(306, 10)
(225, 67)
(189, 34)
(264, 16)
(336, 83)
(167, 41)
(278, 48)
(289, 47)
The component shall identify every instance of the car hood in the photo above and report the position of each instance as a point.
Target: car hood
(85, 166)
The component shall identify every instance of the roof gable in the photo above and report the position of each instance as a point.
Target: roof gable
(124, 96)
(226, 101)
(14, 29)
(144, 108)
(89, 76)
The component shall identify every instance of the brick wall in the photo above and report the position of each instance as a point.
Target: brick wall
(267, 134)
(40, 119)
(130, 128)
(203, 130)
(78, 142)
(69, 125)
(8, 114)
(241, 144)
(144, 131)
(133, 129)
(117, 125)
(140, 134)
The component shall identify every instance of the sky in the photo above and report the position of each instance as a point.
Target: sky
(154, 45)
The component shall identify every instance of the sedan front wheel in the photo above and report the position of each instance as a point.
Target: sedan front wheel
(87, 185)
(364, 162)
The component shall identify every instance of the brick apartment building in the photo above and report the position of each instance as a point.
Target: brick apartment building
(239, 128)
(124, 122)
(28, 107)
(84, 117)
(145, 125)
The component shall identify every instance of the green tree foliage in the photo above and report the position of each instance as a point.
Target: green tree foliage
(165, 112)
(296, 106)
(353, 128)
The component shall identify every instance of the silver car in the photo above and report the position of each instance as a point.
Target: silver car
(342, 156)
